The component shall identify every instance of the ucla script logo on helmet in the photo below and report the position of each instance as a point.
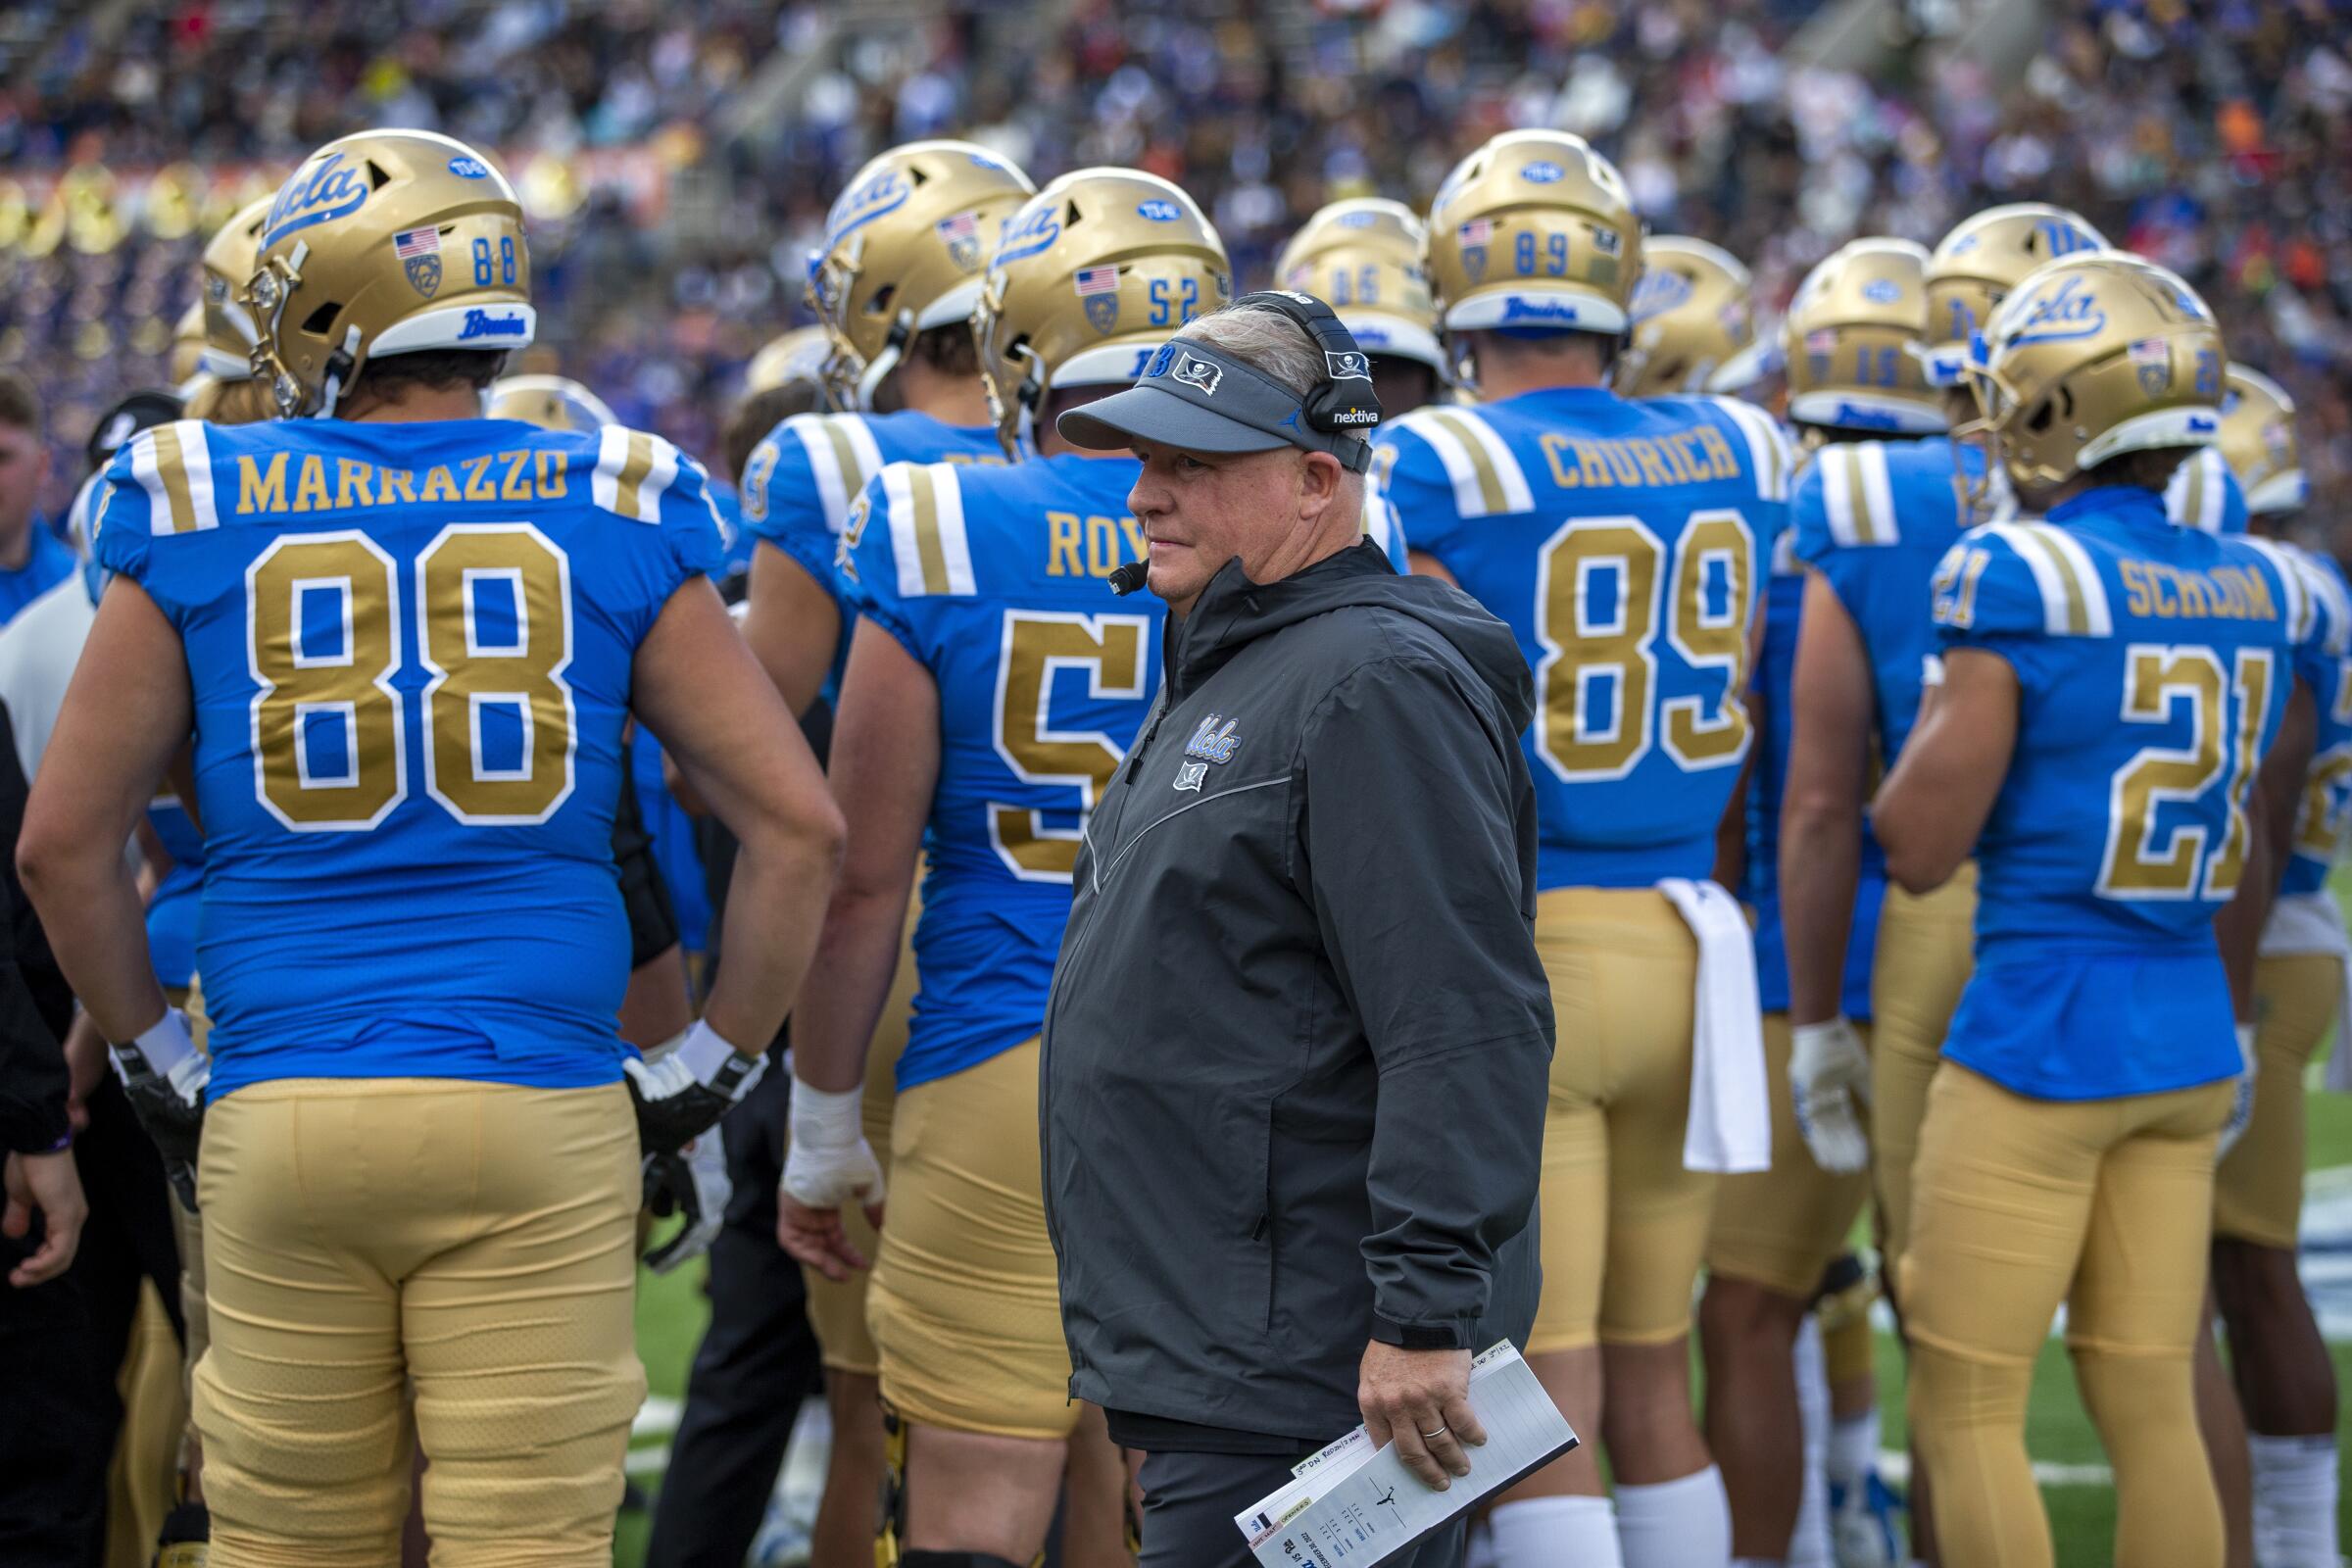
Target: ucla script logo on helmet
(2065, 312)
(1658, 292)
(860, 206)
(327, 190)
(1022, 236)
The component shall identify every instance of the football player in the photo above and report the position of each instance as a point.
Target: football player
(225, 390)
(1775, 1232)
(2285, 1382)
(1362, 257)
(411, 638)
(892, 289)
(1874, 511)
(2110, 682)
(1625, 544)
(990, 694)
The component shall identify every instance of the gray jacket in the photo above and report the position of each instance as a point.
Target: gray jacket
(1298, 1046)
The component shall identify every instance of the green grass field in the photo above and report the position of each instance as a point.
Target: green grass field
(670, 1313)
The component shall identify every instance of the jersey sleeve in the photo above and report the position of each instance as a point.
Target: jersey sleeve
(1385, 528)
(2206, 495)
(2008, 585)
(648, 482)
(904, 544)
(122, 516)
(799, 485)
(1409, 481)
(1772, 466)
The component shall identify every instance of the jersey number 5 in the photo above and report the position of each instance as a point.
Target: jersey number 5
(1035, 645)
(2141, 862)
(1599, 601)
(324, 621)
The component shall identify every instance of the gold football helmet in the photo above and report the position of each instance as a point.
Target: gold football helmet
(2094, 355)
(385, 242)
(1694, 323)
(797, 356)
(1089, 277)
(550, 401)
(1974, 267)
(186, 365)
(1852, 339)
(1534, 229)
(1363, 259)
(228, 262)
(2258, 441)
(905, 249)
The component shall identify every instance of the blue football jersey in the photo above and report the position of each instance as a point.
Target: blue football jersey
(994, 579)
(409, 648)
(2153, 664)
(2326, 809)
(1875, 517)
(2206, 495)
(1776, 665)
(800, 479)
(1624, 543)
(172, 908)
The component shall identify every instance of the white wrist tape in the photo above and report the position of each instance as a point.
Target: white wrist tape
(827, 1118)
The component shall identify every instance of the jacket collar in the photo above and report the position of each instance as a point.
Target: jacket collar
(1234, 611)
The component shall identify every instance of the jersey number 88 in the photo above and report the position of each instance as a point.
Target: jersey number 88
(475, 668)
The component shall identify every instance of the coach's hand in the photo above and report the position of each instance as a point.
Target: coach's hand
(1829, 1082)
(1420, 1400)
(50, 1185)
(829, 1166)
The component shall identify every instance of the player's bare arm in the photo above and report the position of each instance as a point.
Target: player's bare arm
(1933, 805)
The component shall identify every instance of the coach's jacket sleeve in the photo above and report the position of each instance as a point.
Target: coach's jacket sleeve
(33, 1081)
(1418, 827)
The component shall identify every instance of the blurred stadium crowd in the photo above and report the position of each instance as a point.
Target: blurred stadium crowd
(678, 154)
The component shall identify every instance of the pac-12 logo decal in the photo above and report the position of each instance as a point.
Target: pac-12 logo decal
(1212, 743)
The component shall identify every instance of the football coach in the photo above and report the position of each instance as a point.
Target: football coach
(1299, 1047)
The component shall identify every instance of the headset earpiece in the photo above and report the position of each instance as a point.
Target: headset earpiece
(1343, 398)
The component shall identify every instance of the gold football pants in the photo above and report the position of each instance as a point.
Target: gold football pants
(2258, 1192)
(475, 1238)
(2017, 1206)
(1926, 951)
(1782, 1228)
(965, 1306)
(1624, 1225)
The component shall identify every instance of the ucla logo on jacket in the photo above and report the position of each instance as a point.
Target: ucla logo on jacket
(327, 190)
(1212, 743)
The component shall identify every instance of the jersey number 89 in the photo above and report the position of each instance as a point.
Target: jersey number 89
(1591, 636)
(315, 690)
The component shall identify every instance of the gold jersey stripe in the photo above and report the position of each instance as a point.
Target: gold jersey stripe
(1857, 495)
(629, 485)
(927, 547)
(171, 466)
(1489, 483)
(845, 458)
(2077, 613)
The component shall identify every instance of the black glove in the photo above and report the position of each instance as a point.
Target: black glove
(170, 1106)
(682, 1096)
(692, 1182)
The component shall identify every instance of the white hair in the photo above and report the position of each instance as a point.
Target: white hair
(1267, 341)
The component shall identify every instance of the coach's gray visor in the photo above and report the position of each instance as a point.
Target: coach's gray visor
(1196, 398)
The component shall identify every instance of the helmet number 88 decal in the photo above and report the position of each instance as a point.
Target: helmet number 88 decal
(2143, 858)
(323, 620)
(1603, 600)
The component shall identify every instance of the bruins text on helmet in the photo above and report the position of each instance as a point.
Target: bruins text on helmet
(904, 250)
(385, 242)
(1853, 337)
(1535, 231)
(1091, 274)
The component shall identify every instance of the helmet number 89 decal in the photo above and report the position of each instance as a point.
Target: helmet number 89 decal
(494, 626)
(1602, 599)
(1554, 257)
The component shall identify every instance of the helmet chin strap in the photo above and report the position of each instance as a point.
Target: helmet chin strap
(338, 365)
(869, 379)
